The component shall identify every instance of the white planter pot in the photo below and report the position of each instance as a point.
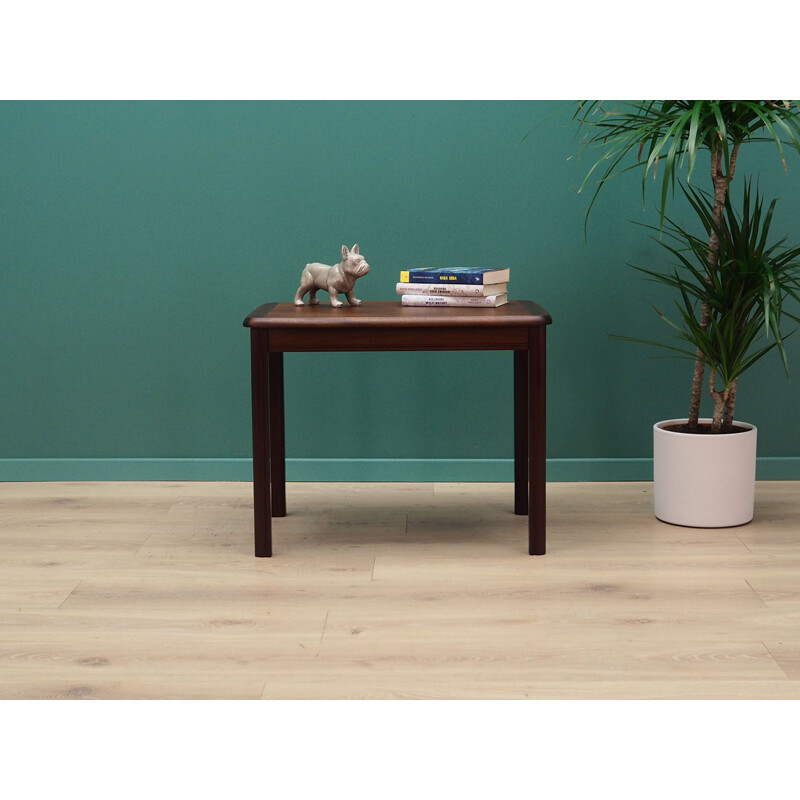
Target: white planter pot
(704, 480)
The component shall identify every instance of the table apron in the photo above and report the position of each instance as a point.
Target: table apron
(338, 339)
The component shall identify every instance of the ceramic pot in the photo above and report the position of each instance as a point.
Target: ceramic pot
(704, 480)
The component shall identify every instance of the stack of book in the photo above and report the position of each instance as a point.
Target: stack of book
(476, 287)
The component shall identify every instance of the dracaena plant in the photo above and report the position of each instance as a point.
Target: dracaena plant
(665, 137)
(744, 295)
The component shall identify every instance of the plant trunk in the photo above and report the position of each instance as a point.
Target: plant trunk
(721, 182)
(730, 406)
(697, 378)
(720, 403)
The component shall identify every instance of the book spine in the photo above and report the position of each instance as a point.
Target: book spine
(491, 301)
(420, 276)
(455, 289)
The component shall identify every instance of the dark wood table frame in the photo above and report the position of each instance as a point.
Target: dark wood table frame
(278, 328)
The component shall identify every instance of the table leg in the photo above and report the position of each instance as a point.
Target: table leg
(536, 440)
(262, 511)
(521, 431)
(277, 436)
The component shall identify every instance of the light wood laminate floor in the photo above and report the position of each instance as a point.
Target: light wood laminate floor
(150, 590)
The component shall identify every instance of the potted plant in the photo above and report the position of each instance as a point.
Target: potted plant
(731, 283)
(703, 479)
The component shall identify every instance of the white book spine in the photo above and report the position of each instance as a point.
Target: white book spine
(453, 289)
(492, 301)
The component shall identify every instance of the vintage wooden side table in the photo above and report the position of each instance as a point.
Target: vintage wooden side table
(278, 328)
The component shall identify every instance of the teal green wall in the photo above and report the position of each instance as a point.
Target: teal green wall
(135, 237)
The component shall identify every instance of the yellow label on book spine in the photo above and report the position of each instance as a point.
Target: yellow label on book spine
(404, 276)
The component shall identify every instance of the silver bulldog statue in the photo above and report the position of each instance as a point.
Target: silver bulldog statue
(335, 280)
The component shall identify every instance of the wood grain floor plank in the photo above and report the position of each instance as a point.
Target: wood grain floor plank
(786, 653)
(20, 591)
(150, 590)
(165, 686)
(351, 683)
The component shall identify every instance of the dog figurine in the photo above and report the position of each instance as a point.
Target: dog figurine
(335, 280)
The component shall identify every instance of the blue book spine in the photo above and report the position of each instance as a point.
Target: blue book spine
(445, 275)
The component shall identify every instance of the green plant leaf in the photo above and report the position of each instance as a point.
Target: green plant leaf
(745, 294)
